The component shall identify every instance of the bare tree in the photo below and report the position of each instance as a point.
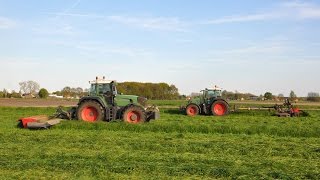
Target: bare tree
(29, 87)
(79, 91)
(292, 95)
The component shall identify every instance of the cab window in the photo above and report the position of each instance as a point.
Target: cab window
(104, 88)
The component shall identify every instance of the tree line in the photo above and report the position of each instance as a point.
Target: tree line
(159, 91)
(148, 90)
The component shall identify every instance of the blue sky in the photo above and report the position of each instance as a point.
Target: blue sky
(248, 46)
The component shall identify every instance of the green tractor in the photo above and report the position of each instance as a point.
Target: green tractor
(104, 104)
(209, 102)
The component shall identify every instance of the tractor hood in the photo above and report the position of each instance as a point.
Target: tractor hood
(123, 100)
(195, 100)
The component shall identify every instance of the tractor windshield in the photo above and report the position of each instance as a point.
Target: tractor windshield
(104, 88)
(212, 93)
(99, 89)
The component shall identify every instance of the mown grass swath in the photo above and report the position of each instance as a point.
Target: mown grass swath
(242, 145)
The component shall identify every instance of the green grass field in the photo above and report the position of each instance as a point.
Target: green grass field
(242, 145)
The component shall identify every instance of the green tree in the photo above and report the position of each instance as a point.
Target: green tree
(280, 96)
(149, 90)
(43, 93)
(268, 95)
(228, 95)
(58, 93)
(313, 96)
(14, 94)
(66, 91)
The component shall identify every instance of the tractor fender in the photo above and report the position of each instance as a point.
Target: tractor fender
(220, 99)
(129, 105)
(97, 99)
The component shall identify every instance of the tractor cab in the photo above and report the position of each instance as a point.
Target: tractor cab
(209, 93)
(103, 87)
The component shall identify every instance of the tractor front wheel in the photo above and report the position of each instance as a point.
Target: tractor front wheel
(219, 108)
(134, 115)
(90, 111)
(192, 110)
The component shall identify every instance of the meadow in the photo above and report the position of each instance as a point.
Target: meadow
(242, 145)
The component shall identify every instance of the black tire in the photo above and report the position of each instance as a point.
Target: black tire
(219, 108)
(192, 110)
(134, 114)
(90, 111)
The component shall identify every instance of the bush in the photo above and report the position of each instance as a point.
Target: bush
(15, 95)
(313, 99)
(43, 93)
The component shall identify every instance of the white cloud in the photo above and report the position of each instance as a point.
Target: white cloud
(303, 10)
(150, 23)
(105, 49)
(78, 15)
(157, 23)
(288, 11)
(271, 50)
(244, 18)
(55, 29)
(6, 23)
(127, 51)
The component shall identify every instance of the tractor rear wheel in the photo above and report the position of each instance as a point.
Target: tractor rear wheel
(192, 110)
(219, 108)
(134, 115)
(90, 111)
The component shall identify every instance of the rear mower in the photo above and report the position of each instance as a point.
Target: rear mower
(286, 110)
(209, 102)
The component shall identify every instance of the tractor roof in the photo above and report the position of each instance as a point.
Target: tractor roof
(100, 81)
(216, 88)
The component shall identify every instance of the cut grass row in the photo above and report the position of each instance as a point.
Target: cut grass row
(172, 121)
(238, 104)
(245, 145)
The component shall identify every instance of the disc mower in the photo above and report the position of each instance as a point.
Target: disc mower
(287, 110)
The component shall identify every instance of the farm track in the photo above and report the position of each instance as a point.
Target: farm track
(6, 102)
(166, 104)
